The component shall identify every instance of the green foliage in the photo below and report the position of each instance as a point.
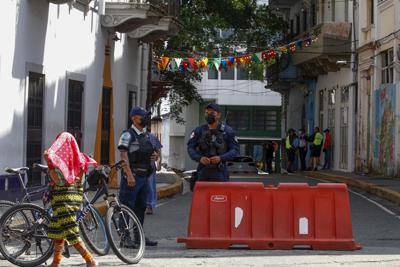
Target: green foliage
(249, 27)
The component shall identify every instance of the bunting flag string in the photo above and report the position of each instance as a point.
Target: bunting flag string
(267, 57)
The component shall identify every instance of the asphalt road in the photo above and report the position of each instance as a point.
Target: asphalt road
(376, 225)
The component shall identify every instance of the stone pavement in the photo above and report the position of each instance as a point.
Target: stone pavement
(384, 187)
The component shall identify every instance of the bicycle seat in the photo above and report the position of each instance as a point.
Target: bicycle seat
(40, 166)
(16, 170)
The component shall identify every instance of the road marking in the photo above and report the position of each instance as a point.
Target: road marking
(366, 198)
(164, 202)
(238, 217)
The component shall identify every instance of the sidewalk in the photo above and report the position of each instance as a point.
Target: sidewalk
(168, 183)
(387, 188)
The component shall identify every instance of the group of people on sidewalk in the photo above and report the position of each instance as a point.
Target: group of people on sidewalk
(298, 145)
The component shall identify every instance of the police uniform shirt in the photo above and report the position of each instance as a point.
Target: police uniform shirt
(232, 147)
(125, 139)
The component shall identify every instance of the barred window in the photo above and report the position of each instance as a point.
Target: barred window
(387, 66)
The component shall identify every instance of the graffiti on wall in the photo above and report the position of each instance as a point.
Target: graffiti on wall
(384, 150)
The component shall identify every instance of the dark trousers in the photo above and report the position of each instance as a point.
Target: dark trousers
(303, 154)
(268, 163)
(212, 173)
(328, 155)
(134, 197)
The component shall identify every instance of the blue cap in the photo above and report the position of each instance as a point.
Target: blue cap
(213, 106)
(139, 111)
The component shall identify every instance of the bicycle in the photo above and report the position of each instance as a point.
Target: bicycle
(121, 222)
(31, 228)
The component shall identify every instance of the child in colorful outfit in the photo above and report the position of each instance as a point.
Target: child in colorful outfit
(67, 167)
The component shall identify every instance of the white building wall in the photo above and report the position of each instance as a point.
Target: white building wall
(60, 41)
(237, 92)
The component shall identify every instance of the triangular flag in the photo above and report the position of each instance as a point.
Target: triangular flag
(185, 65)
(164, 62)
(192, 62)
(255, 58)
(224, 63)
(178, 62)
(217, 62)
(238, 60)
(210, 63)
(231, 61)
(204, 62)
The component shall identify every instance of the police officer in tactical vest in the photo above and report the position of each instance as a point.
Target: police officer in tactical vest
(211, 145)
(136, 149)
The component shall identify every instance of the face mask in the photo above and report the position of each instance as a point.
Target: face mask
(210, 118)
(145, 121)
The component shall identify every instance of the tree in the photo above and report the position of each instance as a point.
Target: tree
(246, 26)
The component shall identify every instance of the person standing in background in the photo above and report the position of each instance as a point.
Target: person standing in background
(151, 185)
(327, 149)
(302, 149)
(269, 156)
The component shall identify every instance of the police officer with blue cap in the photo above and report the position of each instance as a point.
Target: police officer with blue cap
(137, 150)
(211, 145)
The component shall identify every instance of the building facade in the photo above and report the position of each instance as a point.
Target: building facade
(318, 83)
(378, 50)
(253, 111)
(76, 66)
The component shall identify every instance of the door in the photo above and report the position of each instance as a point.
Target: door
(74, 112)
(34, 137)
(344, 125)
(105, 126)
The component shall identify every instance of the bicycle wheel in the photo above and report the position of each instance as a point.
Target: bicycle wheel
(24, 240)
(122, 226)
(94, 232)
(4, 206)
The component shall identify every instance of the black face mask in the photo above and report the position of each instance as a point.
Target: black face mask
(210, 118)
(145, 121)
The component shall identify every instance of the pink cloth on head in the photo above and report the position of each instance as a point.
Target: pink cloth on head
(65, 155)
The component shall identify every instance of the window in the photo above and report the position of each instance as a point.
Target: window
(297, 24)
(370, 10)
(238, 119)
(242, 73)
(291, 28)
(387, 66)
(331, 110)
(321, 108)
(265, 120)
(212, 74)
(34, 133)
(105, 126)
(74, 112)
(313, 14)
(305, 20)
(227, 74)
(333, 4)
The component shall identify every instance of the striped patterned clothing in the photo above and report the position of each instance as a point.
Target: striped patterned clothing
(65, 201)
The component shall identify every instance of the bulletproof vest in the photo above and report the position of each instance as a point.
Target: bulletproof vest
(212, 142)
(140, 150)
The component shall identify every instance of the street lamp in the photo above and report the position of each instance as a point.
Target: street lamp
(343, 62)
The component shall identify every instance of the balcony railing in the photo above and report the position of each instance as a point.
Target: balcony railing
(168, 7)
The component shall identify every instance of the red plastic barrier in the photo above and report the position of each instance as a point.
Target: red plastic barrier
(284, 217)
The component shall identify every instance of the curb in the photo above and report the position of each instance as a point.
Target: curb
(170, 190)
(379, 191)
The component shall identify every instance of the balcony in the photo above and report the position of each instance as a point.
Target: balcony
(141, 18)
(333, 43)
(165, 28)
(60, 2)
